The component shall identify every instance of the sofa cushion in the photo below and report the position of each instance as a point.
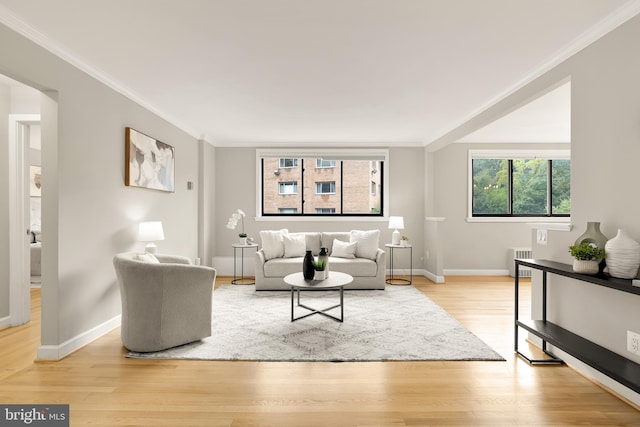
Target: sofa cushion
(280, 267)
(312, 241)
(294, 245)
(342, 249)
(273, 243)
(367, 246)
(328, 238)
(358, 267)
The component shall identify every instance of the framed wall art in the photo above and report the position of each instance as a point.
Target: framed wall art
(35, 181)
(149, 163)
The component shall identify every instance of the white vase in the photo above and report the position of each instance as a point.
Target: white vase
(243, 240)
(320, 275)
(585, 266)
(622, 255)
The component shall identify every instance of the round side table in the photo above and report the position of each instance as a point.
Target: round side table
(399, 280)
(241, 280)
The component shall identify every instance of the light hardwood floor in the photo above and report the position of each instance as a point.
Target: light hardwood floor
(104, 388)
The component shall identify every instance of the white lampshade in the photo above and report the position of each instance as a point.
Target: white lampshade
(150, 231)
(396, 223)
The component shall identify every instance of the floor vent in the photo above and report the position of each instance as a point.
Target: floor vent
(519, 253)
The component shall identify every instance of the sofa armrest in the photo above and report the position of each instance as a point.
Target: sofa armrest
(381, 257)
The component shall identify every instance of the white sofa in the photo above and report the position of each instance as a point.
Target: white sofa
(368, 273)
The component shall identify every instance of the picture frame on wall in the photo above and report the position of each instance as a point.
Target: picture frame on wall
(35, 181)
(149, 163)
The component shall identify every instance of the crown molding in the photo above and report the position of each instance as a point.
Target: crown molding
(12, 21)
(606, 25)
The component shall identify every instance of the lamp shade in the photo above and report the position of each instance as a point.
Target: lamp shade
(150, 231)
(396, 223)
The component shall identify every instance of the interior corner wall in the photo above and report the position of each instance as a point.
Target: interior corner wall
(605, 148)
(235, 188)
(207, 203)
(4, 202)
(460, 238)
(91, 214)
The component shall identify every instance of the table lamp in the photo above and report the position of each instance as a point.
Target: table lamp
(150, 231)
(396, 223)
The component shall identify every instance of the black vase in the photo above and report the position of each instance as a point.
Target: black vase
(308, 269)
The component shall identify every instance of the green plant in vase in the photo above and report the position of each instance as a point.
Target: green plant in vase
(321, 269)
(587, 257)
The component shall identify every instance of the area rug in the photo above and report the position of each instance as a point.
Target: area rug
(399, 323)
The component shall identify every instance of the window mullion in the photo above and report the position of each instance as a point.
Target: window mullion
(510, 187)
(302, 185)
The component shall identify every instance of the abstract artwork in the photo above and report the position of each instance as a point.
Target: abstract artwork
(149, 163)
(35, 181)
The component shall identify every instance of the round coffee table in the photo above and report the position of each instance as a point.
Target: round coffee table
(335, 281)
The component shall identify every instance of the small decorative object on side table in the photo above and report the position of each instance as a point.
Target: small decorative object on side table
(399, 280)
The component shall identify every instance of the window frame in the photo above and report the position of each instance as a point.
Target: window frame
(510, 155)
(295, 162)
(332, 185)
(373, 154)
(284, 184)
(319, 163)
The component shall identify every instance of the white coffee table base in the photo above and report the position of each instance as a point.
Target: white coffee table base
(335, 281)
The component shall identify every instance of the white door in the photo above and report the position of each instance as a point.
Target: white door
(19, 217)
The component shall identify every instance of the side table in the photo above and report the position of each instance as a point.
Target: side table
(399, 280)
(241, 280)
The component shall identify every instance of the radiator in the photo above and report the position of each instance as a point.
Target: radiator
(519, 253)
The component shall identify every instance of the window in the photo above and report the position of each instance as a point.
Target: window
(326, 187)
(322, 163)
(288, 188)
(520, 184)
(311, 185)
(288, 163)
(325, 210)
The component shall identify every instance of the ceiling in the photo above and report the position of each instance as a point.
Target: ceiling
(310, 72)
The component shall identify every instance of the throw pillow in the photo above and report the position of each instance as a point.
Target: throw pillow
(367, 243)
(147, 257)
(343, 249)
(273, 243)
(294, 246)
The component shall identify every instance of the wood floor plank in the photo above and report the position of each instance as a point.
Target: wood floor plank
(104, 388)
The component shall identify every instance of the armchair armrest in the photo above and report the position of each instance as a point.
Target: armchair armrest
(174, 259)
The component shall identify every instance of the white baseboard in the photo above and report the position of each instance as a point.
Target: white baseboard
(57, 352)
(5, 322)
(433, 277)
(454, 272)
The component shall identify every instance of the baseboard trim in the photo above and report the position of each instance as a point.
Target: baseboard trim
(433, 277)
(57, 352)
(5, 322)
(454, 272)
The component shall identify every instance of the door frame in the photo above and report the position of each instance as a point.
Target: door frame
(19, 217)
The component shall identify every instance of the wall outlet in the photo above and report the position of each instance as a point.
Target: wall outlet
(541, 236)
(633, 342)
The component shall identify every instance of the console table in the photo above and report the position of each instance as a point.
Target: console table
(615, 366)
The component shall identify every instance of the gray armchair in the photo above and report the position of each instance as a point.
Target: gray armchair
(164, 304)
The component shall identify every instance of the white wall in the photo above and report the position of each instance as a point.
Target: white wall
(88, 212)
(605, 148)
(472, 247)
(236, 176)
